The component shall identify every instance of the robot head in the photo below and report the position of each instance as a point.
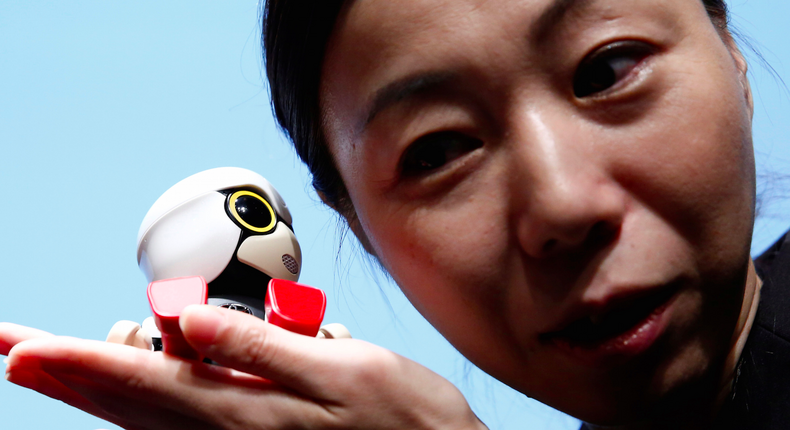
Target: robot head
(228, 225)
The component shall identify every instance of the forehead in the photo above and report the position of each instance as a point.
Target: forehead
(376, 42)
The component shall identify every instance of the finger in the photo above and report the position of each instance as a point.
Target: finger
(161, 389)
(212, 407)
(42, 382)
(12, 334)
(130, 413)
(100, 379)
(51, 386)
(246, 343)
(26, 367)
(110, 364)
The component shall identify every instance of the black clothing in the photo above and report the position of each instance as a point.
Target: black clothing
(760, 398)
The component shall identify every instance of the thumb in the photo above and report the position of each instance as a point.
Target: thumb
(249, 344)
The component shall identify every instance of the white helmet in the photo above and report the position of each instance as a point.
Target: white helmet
(228, 225)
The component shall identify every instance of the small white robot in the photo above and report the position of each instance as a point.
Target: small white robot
(230, 227)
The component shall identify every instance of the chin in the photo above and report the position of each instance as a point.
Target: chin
(676, 379)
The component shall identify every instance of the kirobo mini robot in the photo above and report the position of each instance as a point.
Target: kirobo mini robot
(222, 237)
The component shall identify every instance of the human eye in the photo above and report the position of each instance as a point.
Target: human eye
(435, 150)
(608, 66)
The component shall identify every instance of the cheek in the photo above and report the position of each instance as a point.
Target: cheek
(453, 258)
(691, 162)
(460, 239)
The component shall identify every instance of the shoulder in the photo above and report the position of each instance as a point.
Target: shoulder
(773, 267)
(761, 395)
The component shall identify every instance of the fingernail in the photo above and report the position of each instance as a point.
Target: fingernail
(202, 323)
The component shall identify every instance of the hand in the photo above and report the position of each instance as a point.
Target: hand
(272, 379)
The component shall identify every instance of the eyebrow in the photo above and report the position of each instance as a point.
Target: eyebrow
(553, 16)
(404, 88)
(410, 86)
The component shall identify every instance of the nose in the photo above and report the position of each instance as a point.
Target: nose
(564, 199)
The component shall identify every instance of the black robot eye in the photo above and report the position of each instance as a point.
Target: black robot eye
(252, 211)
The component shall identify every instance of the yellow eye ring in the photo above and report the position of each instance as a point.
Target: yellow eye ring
(232, 207)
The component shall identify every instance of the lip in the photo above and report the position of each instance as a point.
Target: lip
(626, 327)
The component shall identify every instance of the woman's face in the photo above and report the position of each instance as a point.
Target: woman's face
(564, 188)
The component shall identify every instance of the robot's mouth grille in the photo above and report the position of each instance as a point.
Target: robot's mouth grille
(237, 307)
(290, 264)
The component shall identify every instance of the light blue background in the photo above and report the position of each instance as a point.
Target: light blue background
(105, 104)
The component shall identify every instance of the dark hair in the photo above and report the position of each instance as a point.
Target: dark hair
(718, 13)
(294, 37)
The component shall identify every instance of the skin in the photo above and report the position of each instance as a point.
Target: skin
(270, 379)
(564, 208)
(569, 203)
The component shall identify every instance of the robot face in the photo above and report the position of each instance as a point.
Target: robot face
(228, 225)
(267, 243)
